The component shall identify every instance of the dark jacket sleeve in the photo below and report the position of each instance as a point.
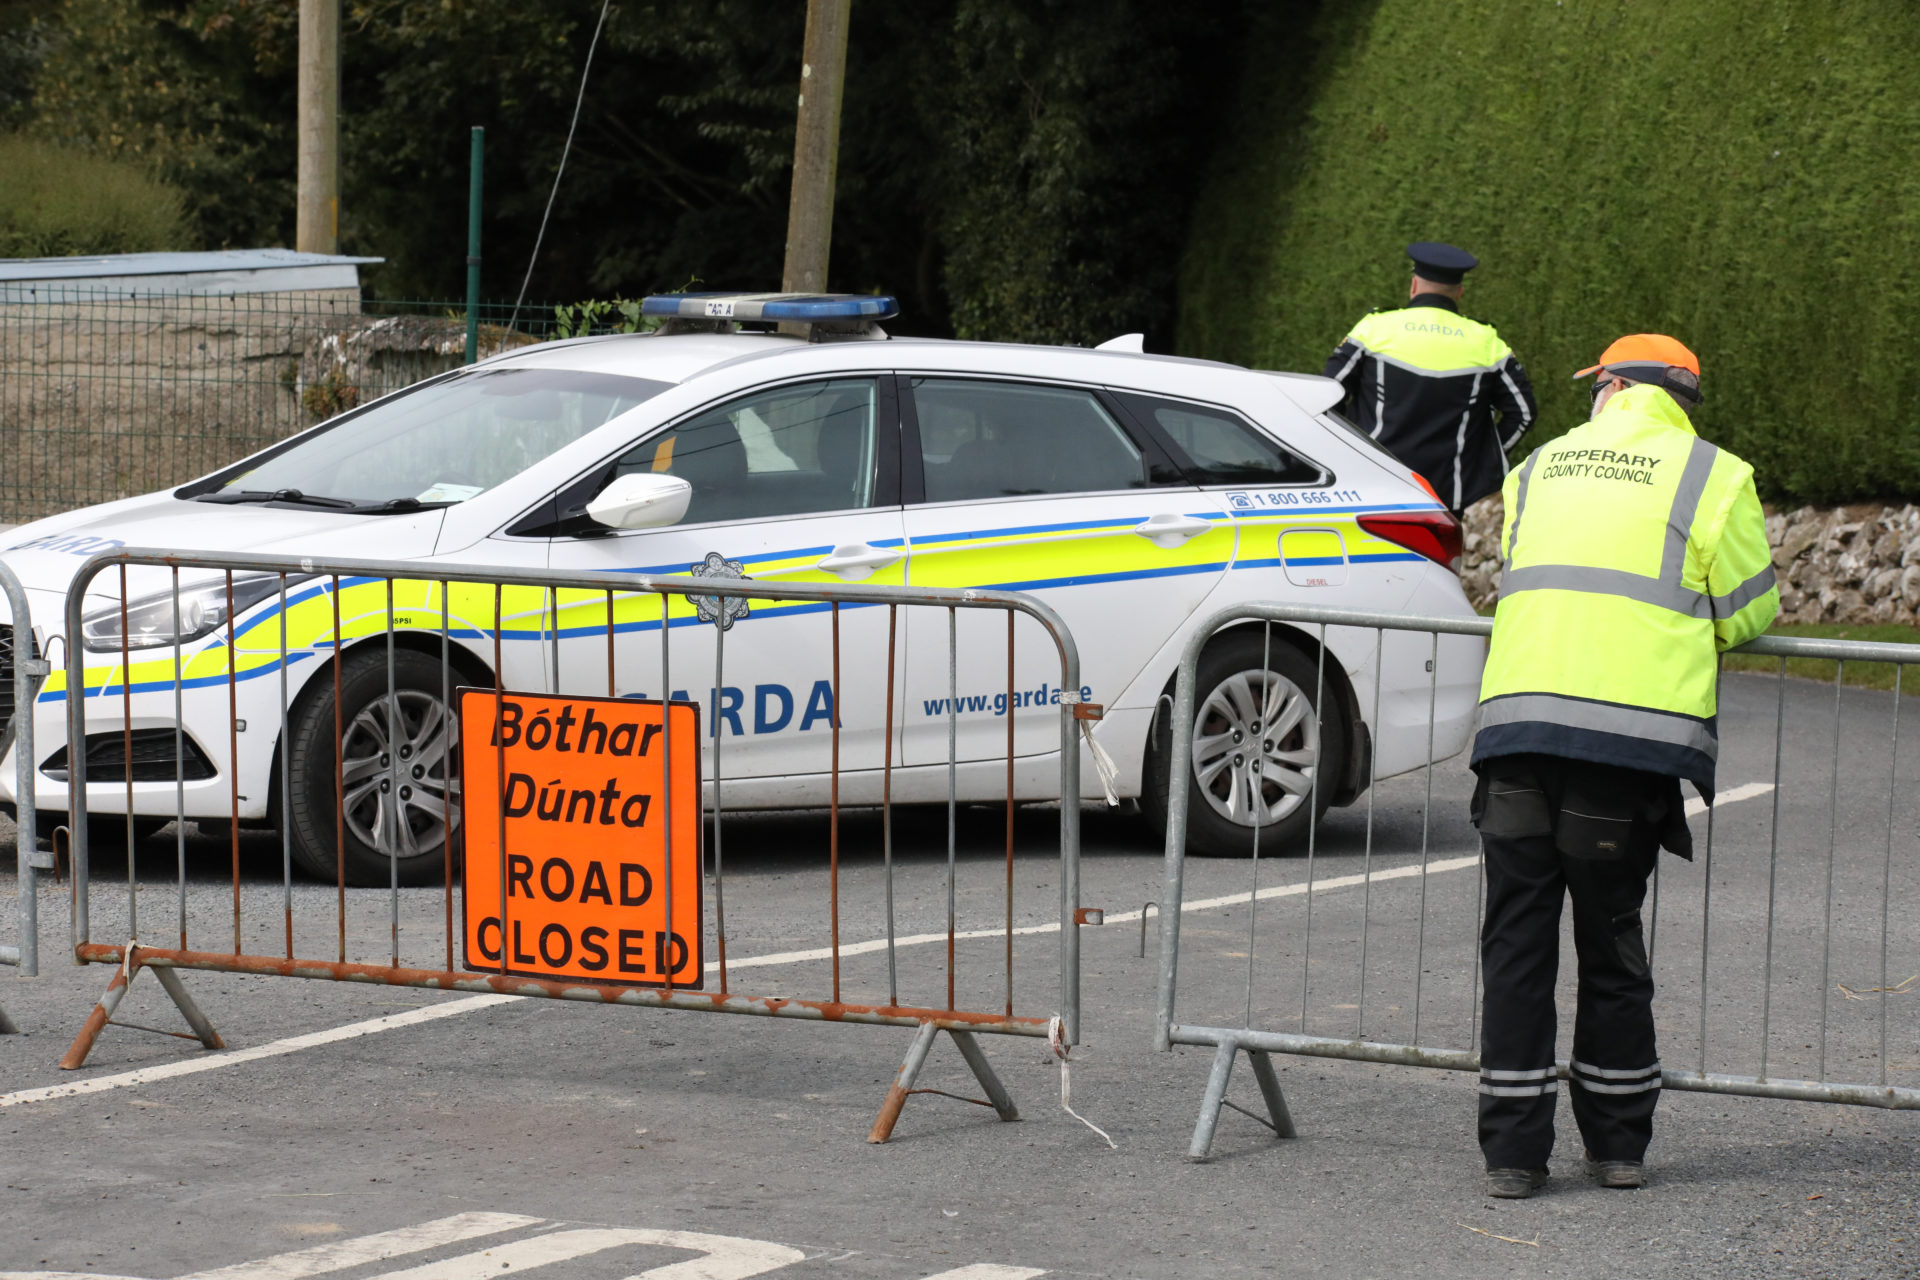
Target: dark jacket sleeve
(1513, 401)
(1343, 366)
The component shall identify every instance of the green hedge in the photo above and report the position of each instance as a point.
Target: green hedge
(55, 202)
(1743, 174)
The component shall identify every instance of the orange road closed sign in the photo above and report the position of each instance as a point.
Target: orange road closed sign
(571, 870)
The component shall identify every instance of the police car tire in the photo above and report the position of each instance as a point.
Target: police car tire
(314, 760)
(1209, 833)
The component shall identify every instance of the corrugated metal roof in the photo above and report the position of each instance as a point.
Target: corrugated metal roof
(220, 271)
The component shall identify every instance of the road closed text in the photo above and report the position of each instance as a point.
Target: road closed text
(604, 950)
(595, 862)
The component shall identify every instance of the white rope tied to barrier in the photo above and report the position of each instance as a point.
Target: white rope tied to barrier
(1057, 1041)
(1102, 763)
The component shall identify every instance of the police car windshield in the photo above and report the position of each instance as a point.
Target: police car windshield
(441, 443)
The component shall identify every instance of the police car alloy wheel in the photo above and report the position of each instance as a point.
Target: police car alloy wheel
(393, 759)
(1257, 746)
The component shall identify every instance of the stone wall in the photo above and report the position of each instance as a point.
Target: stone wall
(1854, 564)
(1480, 554)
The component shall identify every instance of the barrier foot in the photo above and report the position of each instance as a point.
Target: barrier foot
(903, 1083)
(1210, 1102)
(983, 1072)
(969, 1045)
(1278, 1118)
(209, 1038)
(1270, 1090)
(102, 1016)
(8, 1027)
(97, 1020)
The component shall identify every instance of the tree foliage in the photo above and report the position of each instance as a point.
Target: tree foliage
(1070, 133)
(24, 33)
(1007, 167)
(1745, 176)
(201, 91)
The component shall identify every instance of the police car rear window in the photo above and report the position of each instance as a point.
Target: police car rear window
(983, 440)
(1215, 446)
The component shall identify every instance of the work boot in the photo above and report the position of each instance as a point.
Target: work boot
(1515, 1184)
(1619, 1175)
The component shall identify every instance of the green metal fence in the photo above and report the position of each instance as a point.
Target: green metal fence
(106, 394)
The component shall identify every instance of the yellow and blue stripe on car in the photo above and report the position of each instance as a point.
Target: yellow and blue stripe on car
(1030, 557)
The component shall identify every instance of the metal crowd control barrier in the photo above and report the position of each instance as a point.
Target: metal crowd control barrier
(22, 667)
(1770, 958)
(487, 628)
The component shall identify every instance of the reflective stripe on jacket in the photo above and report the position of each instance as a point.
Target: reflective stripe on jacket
(1427, 382)
(1632, 552)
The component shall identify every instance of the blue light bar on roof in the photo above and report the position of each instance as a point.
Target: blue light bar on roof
(800, 307)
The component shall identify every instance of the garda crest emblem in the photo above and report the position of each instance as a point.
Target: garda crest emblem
(722, 611)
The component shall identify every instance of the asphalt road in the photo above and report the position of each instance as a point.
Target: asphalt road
(598, 1132)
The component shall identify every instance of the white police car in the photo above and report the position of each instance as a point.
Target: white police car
(1135, 494)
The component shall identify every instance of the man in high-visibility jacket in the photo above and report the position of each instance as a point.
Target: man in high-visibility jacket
(1633, 553)
(1427, 382)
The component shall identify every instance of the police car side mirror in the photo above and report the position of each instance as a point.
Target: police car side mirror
(641, 500)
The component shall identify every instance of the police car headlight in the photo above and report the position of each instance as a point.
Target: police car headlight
(149, 621)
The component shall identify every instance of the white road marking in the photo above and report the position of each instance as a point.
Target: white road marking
(724, 1257)
(1733, 795)
(989, 1271)
(1409, 871)
(453, 1008)
(1113, 917)
(374, 1248)
(272, 1049)
(721, 1257)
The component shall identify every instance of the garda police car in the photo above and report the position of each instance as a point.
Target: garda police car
(1135, 494)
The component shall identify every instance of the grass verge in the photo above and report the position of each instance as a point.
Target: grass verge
(1864, 675)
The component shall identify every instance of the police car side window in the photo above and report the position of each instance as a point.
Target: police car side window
(1215, 446)
(788, 451)
(984, 440)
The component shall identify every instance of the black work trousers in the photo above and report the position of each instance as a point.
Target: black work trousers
(1555, 828)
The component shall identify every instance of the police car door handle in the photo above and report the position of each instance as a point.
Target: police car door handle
(1168, 531)
(857, 560)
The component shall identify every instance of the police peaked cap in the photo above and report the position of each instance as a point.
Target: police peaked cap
(1440, 263)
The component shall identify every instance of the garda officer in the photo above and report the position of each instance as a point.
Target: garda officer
(1633, 551)
(1426, 382)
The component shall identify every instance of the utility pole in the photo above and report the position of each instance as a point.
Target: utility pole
(475, 158)
(816, 146)
(317, 204)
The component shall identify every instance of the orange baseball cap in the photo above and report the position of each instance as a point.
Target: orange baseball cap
(1649, 351)
(1652, 357)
